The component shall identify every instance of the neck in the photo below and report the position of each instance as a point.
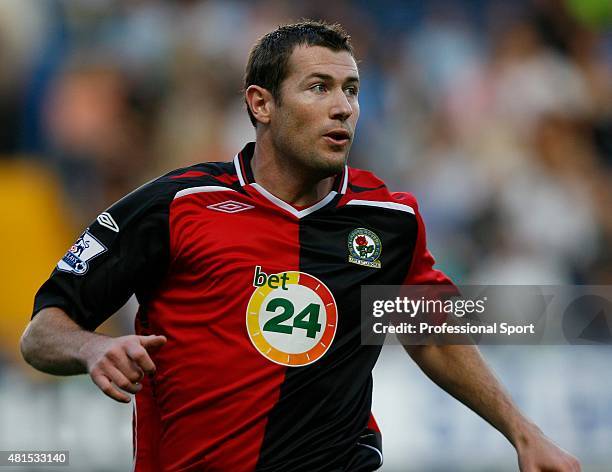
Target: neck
(282, 178)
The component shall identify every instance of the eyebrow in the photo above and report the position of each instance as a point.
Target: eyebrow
(327, 77)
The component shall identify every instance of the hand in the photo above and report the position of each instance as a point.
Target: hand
(537, 453)
(120, 362)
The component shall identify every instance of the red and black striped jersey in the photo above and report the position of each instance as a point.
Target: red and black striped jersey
(264, 369)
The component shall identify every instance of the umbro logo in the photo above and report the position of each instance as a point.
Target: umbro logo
(106, 220)
(230, 206)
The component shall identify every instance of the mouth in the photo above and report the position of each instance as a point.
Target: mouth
(338, 137)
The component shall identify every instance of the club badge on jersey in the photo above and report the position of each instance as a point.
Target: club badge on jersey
(364, 248)
(80, 253)
(291, 317)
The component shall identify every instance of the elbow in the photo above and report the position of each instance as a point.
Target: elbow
(27, 345)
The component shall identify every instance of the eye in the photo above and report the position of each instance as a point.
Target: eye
(319, 88)
(352, 90)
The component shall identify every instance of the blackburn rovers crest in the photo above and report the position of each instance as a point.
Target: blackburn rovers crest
(364, 248)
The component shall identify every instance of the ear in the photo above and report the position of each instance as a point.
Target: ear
(260, 102)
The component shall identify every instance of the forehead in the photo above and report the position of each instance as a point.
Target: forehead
(307, 60)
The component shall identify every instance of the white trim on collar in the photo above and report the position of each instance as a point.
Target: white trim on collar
(238, 170)
(242, 180)
(294, 211)
(345, 181)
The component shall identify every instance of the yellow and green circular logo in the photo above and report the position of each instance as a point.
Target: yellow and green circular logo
(291, 317)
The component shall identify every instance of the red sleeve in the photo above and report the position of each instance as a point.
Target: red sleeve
(422, 270)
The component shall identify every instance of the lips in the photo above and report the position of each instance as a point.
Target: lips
(338, 136)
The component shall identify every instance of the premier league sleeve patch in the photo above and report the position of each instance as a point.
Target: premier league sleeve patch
(80, 253)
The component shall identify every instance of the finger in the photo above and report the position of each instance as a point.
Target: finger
(121, 360)
(105, 385)
(569, 465)
(136, 373)
(121, 381)
(140, 357)
(152, 341)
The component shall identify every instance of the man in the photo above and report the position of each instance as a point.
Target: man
(247, 354)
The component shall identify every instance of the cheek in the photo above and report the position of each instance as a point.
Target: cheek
(291, 128)
(355, 111)
(301, 120)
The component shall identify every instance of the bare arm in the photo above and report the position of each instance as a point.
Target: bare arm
(52, 343)
(463, 373)
(55, 344)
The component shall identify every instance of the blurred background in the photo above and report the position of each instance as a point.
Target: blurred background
(497, 115)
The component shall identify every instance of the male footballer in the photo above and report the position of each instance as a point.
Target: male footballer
(247, 353)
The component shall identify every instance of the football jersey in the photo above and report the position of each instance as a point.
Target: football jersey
(264, 369)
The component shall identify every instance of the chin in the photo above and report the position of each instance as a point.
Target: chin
(331, 163)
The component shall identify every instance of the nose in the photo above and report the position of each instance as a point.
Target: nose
(341, 108)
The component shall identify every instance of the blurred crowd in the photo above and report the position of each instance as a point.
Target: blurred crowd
(497, 115)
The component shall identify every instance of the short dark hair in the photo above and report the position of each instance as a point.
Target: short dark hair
(268, 59)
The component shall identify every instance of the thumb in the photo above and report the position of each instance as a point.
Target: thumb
(152, 342)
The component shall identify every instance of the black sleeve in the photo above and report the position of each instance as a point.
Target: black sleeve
(124, 251)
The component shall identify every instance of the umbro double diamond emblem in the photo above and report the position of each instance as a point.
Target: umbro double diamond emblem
(230, 206)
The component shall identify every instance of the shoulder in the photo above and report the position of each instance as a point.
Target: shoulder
(366, 188)
(157, 194)
(209, 173)
(168, 185)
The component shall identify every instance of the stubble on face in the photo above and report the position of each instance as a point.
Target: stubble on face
(318, 97)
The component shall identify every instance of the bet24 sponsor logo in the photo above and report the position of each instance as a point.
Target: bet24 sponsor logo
(291, 317)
